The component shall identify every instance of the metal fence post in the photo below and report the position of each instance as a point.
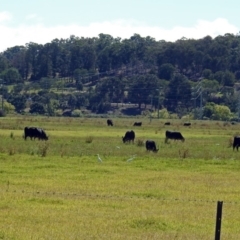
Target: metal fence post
(218, 220)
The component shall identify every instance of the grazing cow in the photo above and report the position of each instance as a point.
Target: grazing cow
(129, 136)
(151, 146)
(167, 123)
(236, 142)
(174, 136)
(187, 124)
(109, 122)
(139, 124)
(34, 132)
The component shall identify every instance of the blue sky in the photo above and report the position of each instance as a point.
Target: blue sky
(42, 21)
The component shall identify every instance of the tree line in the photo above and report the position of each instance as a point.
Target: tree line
(96, 72)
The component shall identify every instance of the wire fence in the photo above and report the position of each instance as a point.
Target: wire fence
(104, 196)
(157, 206)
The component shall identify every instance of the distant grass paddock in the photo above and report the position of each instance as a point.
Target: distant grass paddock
(59, 190)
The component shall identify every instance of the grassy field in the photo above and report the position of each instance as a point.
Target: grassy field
(59, 190)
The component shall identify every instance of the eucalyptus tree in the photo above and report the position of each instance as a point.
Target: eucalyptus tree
(32, 60)
(11, 76)
(3, 63)
(37, 108)
(82, 100)
(103, 45)
(111, 88)
(178, 93)
(166, 71)
(143, 89)
(18, 101)
(82, 54)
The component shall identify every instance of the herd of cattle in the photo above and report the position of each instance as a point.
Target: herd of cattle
(40, 134)
(150, 144)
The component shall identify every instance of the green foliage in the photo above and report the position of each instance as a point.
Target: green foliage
(144, 89)
(45, 83)
(37, 108)
(76, 113)
(217, 112)
(112, 89)
(222, 113)
(11, 75)
(179, 93)
(8, 107)
(18, 88)
(3, 90)
(3, 63)
(72, 100)
(228, 79)
(107, 69)
(79, 85)
(18, 101)
(52, 106)
(210, 85)
(166, 71)
(162, 113)
(82, 100)
(207, 73)
(58, 112)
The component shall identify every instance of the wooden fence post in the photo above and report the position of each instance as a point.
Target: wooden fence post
(218, 220)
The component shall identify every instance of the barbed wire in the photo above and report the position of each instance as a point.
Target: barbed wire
(105, 196)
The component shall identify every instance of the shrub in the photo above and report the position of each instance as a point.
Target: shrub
(12, 136)
(58, 113)
(89, 139)
(76, 113)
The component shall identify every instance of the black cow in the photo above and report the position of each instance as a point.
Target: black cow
(129, 136)
(151, 146)
(139, 124)
(34, 132)
(187, 124)
(109, 122)
(236, 142)
(174, 136)
(167, 123)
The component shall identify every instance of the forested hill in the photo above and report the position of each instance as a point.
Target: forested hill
(172, 75)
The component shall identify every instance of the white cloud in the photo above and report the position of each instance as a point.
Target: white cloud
(121, 28)
(5, 16)
(31, 16)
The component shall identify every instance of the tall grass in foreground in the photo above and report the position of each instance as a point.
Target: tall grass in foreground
(58, 189)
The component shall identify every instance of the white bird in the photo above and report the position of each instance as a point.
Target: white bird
(130, 159)
(118, 147)
(99, 159)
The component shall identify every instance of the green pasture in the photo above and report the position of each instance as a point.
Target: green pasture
(59, 190)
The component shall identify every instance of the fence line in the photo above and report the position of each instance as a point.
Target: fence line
(53, 193)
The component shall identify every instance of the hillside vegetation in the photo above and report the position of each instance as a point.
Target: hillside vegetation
(199, 78)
